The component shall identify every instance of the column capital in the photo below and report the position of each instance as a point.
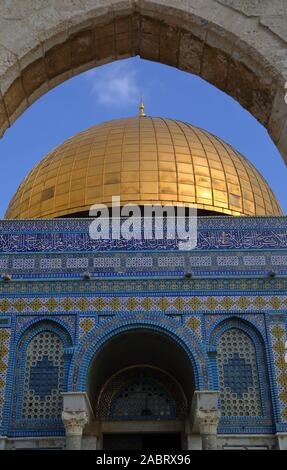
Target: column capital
(77, 413)
(205, 416)
(204, 408)
(208, 421)
(74, 422)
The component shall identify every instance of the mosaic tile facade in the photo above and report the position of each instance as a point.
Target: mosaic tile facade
(144, 287)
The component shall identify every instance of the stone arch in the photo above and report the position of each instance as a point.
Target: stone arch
(236, 46)
(99, 336)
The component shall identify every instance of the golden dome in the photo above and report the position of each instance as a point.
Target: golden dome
(143, 160)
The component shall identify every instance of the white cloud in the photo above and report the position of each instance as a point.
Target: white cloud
(115, 84)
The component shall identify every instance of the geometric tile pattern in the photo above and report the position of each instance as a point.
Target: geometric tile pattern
(257, 320)
(43, 377)
(278, 341)
(194, 323)
(98, 336)
(117, 264)
(156, 285)
(5, 334)
(238, 375)
(168, 304)
(142, 398)
(68, 321)
(86, 325)
(141, 393)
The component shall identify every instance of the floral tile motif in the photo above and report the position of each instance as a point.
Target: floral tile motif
(278, 340)
(194, 323)
(86, 325)
(166, 303)
(5, 334)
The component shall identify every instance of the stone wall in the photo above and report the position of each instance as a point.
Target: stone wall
(240, 46)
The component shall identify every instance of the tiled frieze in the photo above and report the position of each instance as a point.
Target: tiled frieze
(227, 260)
(106, 262)
(77, 263)
(50, 263)
(126, 303)
(4, 262)
(246, 286)
(73, 236)
(123, 264)
(23, 263)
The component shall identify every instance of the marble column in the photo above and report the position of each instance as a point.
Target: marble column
(74, 422)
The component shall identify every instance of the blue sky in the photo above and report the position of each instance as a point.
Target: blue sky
(113, 91)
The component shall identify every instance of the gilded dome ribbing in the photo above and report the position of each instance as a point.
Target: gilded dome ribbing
(144, 160)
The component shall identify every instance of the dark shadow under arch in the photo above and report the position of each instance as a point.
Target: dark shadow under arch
(136, 347)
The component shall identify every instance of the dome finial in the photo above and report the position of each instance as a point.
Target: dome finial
(141, 108)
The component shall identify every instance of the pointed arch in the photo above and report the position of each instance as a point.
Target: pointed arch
(238, 52)
(41, 366)
(238, 358)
